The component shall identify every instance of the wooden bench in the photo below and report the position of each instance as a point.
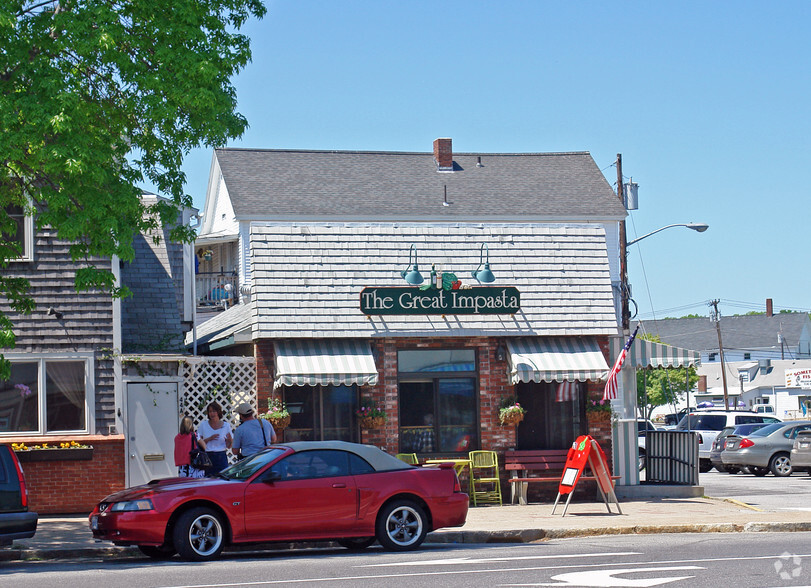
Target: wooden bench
(527, 466)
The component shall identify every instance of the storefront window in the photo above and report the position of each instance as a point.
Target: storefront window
(63, 396)
(321, 413)
(437, 398)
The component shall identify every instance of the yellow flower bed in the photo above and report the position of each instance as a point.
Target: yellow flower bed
(62, 445)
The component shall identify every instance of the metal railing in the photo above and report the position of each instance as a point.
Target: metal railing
(671, 457)
(217, 289)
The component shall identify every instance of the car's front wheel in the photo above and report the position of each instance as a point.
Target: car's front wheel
(780, 465)
(401, 526)
(157, 551)
(199, 535)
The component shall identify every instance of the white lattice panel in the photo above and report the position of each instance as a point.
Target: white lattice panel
(227, 380)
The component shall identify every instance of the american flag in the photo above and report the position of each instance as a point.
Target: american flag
(566, 391)
(610, 392)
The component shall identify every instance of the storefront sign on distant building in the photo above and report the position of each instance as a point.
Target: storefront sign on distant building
(798, 379)
(416, 301)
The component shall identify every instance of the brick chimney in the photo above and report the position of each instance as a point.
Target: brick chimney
(769, 311)
(702, 383)
(443, 154)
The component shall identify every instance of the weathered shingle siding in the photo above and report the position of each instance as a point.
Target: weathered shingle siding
(307, 278)
(87, 317)
(151, 317)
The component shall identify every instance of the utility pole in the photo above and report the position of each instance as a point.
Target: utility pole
(624, 286)
(716, 318)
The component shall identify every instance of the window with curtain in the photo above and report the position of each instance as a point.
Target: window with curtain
(437, 399)
(22, 231)
(45, 396)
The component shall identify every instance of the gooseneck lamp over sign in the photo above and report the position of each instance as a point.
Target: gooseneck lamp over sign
(412, 274)
(485, 276)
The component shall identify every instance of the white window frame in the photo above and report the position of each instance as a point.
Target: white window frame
(28, 240)
(89, 393)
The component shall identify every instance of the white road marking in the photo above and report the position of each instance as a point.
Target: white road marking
(471, 560)
(606, 579)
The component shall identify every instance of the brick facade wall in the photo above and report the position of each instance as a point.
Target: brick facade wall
(71, 487)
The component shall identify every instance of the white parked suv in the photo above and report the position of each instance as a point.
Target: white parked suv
(710, 422)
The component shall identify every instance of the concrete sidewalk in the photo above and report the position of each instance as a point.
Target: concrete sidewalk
(69, 536)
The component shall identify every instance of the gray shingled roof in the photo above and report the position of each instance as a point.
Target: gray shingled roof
(737, 332)
(307, 278)
(357, 185)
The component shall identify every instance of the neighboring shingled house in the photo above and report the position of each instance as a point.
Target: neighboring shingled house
(67, 380)
(746, 337)
(319, 242)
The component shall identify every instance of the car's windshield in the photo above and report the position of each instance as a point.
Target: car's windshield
(766, 431)
(244, 469)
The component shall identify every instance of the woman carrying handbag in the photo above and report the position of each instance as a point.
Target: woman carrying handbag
(185, 444)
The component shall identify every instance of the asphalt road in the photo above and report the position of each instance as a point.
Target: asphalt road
(767, 493)
(746, 560)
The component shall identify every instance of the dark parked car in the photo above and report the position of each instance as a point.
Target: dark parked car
(720, 441)
(303, 491)
(16, 521)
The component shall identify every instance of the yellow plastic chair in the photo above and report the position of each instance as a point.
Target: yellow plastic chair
(408, 458)
(485, 484)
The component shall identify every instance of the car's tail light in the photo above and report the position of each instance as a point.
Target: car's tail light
(745, 442)
(457, 487)
(21, 478)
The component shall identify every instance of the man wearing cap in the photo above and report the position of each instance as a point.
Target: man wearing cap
(253, 434)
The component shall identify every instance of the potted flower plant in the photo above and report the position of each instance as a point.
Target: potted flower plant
(598, 410)
(371, 415)
(510, 412)
(277, 414)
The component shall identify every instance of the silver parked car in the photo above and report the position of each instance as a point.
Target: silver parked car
(721, 439)
(801, 452)
(765, 450)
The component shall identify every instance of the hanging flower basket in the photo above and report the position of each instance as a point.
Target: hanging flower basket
(280, 423)
(372, 422)
(512, 418)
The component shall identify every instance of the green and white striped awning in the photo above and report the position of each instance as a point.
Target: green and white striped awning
(645, 354)
(555, 359)
(323, 362)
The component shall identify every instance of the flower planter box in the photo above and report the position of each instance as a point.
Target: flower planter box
(82, 454)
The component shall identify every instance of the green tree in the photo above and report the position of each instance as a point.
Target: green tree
(97, 97)
(660, 386)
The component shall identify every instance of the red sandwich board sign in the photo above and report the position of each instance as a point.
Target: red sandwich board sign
(585, 450)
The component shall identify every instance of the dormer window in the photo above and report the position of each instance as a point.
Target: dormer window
(22, 231)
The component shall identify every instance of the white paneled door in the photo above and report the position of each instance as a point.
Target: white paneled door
(152, 423)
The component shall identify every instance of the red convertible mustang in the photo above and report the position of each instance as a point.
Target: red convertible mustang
(303, 491)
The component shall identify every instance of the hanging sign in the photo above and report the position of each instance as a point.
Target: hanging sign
(417, 301)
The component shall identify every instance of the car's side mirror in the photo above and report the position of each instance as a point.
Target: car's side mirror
(271, 476)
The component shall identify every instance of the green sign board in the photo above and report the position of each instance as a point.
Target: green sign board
(415, 301)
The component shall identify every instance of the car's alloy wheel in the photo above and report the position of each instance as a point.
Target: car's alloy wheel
(780, 465)
(356, 543)
(198, 535)
(758, 471)
(401, 526)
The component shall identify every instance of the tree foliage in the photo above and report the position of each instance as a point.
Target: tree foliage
(97, 96)
(660, 386)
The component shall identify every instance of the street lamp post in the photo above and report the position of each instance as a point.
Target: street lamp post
(626, 433)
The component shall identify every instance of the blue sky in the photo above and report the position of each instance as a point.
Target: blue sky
(708, 103)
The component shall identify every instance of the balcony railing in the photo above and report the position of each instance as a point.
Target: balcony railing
(217, 289)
